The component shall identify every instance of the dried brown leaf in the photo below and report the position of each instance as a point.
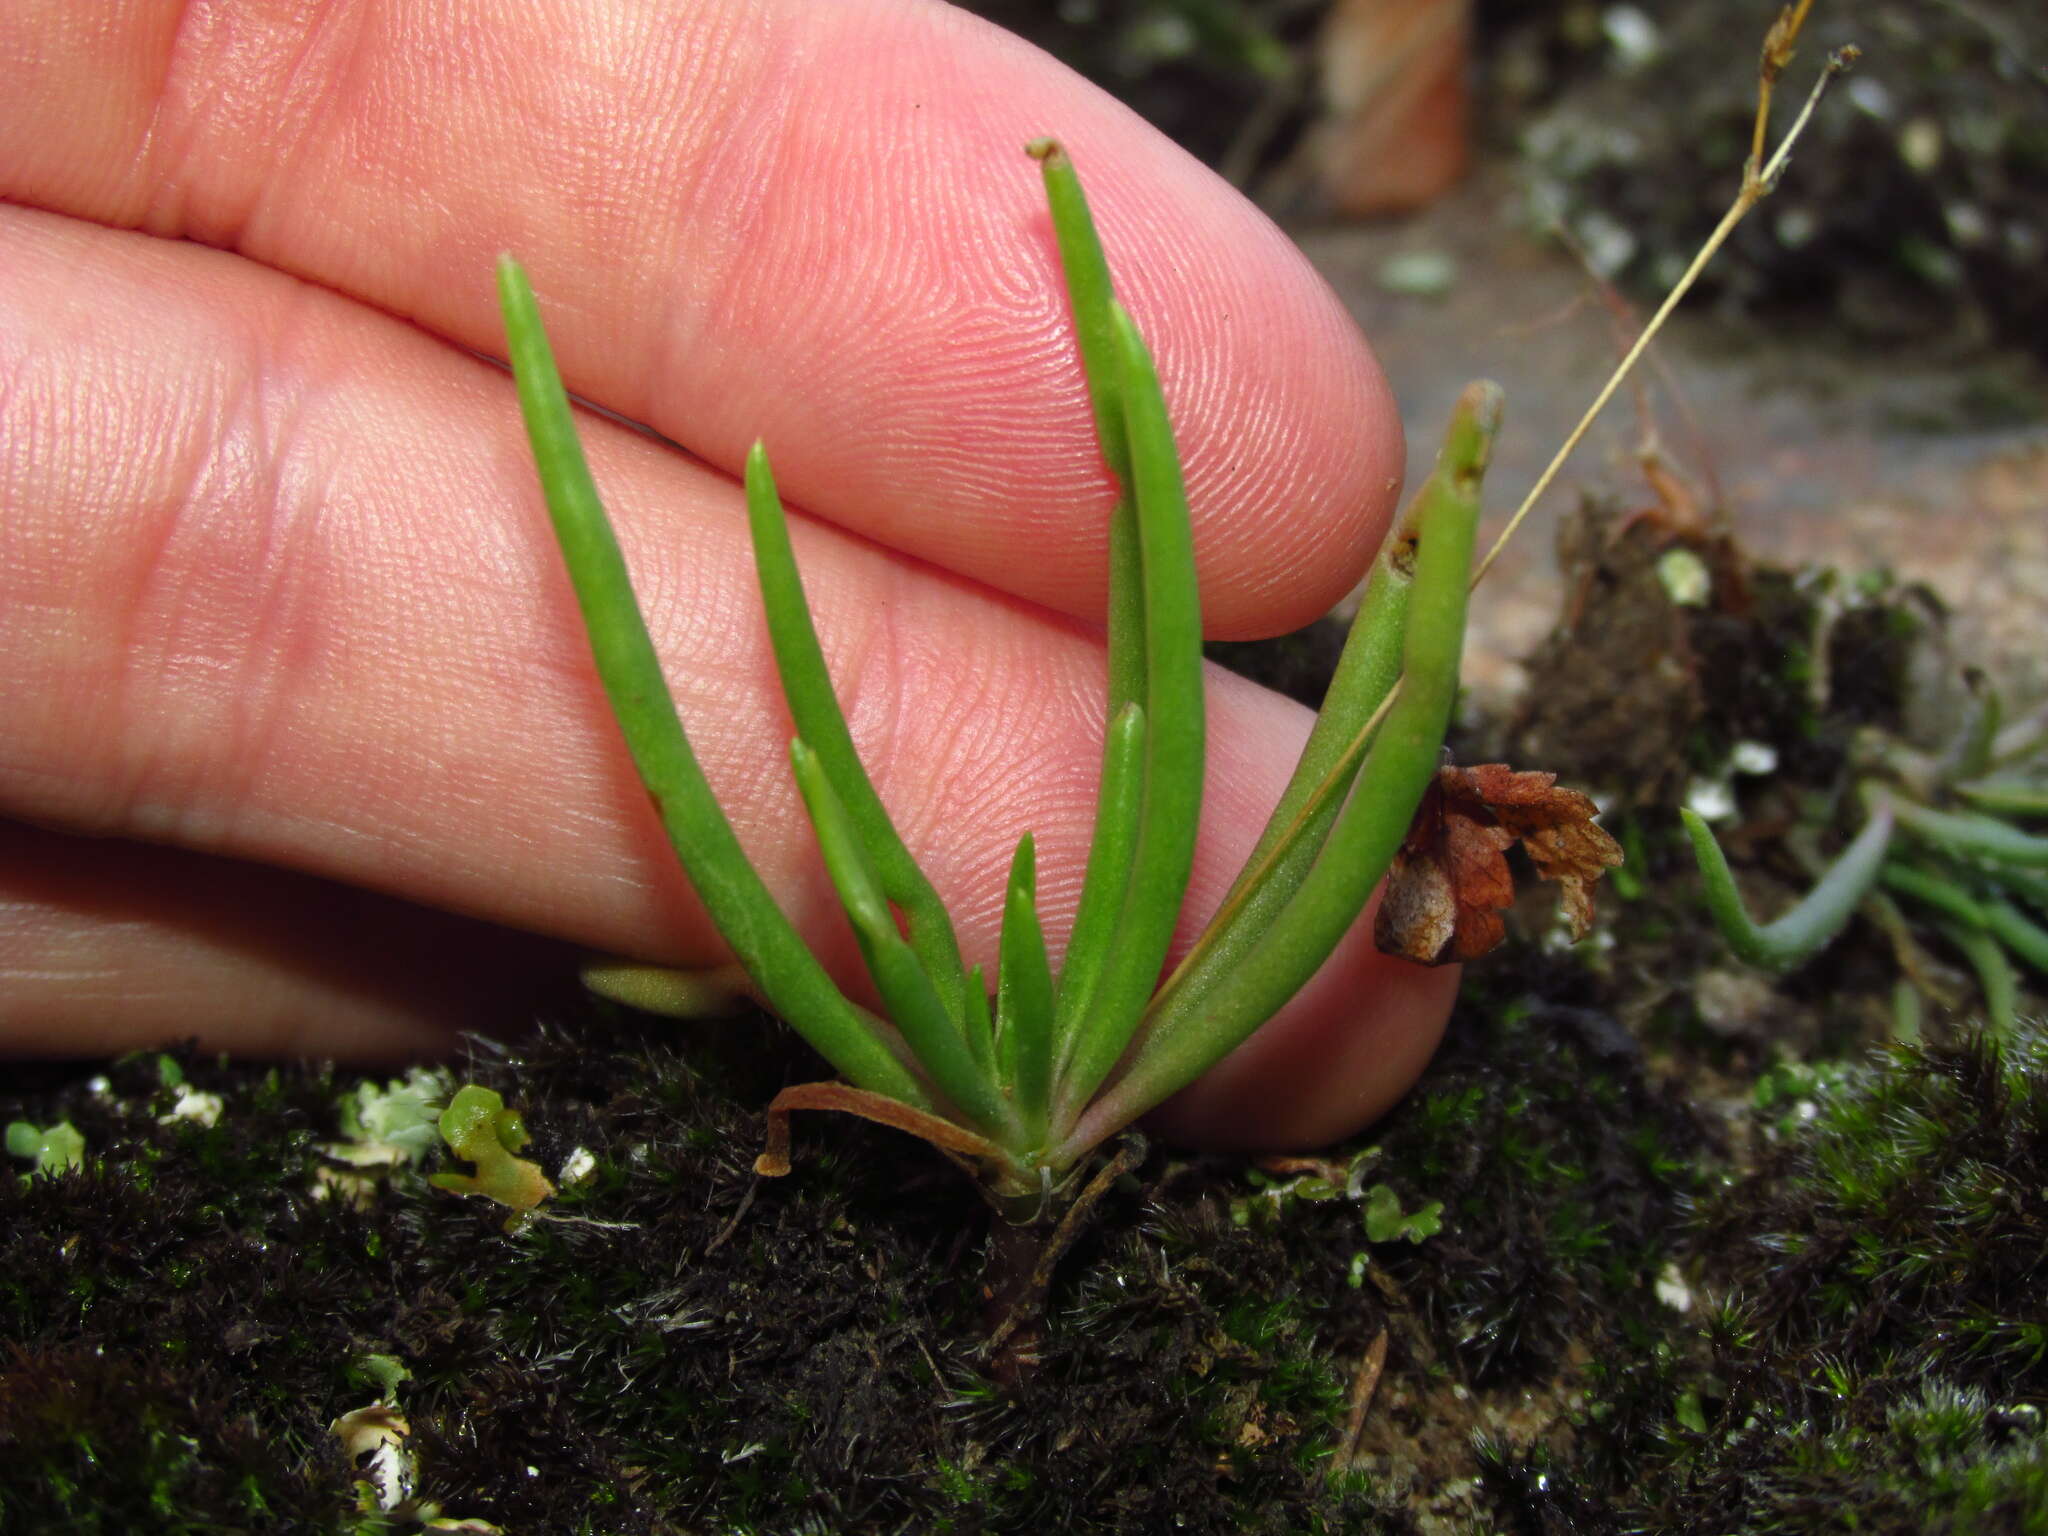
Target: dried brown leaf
(1450, 881)
(773, 1163)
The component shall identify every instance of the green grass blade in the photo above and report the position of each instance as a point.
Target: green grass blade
(933, 1035)
(1822, 913)
(1090, 292)
(1400, 765)
(1172, 804)
(1990, 914)
(2020, 742)
(1366, 672)
(1024, 997)
(815, 709)
(1931, 890)
(788, 977)
(1091, 297)
(981, 1026)
(2008, 795)
(2030, 885)
(1970, 756)
(707, 992)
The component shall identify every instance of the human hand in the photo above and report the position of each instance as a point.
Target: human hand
(303, 742)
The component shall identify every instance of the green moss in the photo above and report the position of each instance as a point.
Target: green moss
(673, 1344)
(1561, 1167)
(677, 1345)
(1871, 1353)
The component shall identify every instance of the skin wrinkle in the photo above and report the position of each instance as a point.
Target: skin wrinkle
(903, 668)
(261, 423)
(213, 71)
(717, 244)
(160, 930)
(303, 547)
(154, 195)
(121, 650)
(935, 381)
(1010, 773)
(188, 783)
(139, 663)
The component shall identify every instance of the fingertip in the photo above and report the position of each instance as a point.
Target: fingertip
(1329, 1064)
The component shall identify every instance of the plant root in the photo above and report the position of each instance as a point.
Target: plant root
(1021, 1267)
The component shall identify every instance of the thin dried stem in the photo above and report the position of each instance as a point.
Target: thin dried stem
(1758, 180)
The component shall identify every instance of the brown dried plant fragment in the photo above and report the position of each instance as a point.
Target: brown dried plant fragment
(955, 1140)
(1450, 880)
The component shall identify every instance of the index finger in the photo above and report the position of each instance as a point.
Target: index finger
(807, 223)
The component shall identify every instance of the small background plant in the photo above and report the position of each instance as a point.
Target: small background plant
(480, 1130)
(1944, 849)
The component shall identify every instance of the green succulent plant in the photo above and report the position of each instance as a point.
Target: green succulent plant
(1024, 1085)
(1945, 832)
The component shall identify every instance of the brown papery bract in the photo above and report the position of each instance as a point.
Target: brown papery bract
(1450, 880)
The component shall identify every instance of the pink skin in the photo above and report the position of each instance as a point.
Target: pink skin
(302, 744)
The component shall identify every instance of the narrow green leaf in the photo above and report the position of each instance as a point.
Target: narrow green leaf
(1994, 973)
(1024, 997)
(2008, 794)
(981, 1026)
(2030, 885)
(934, 1036)
(1971, 836)
(2020, 742)
(1090, 292)
(1905, 1011)
(1990, 914)
(1118, 805)
(1119, 797)
(706, 992)
(1931, 890)
(1970, 756)
(1090, 295)
(1822, 913)
(1366, 672)
(2012, 928)
(1336, 746)
(815, 708)
(1401, 763)
(788, 977)
(1172, 804)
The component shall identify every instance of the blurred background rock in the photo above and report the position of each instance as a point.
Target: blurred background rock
(1920, 207)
